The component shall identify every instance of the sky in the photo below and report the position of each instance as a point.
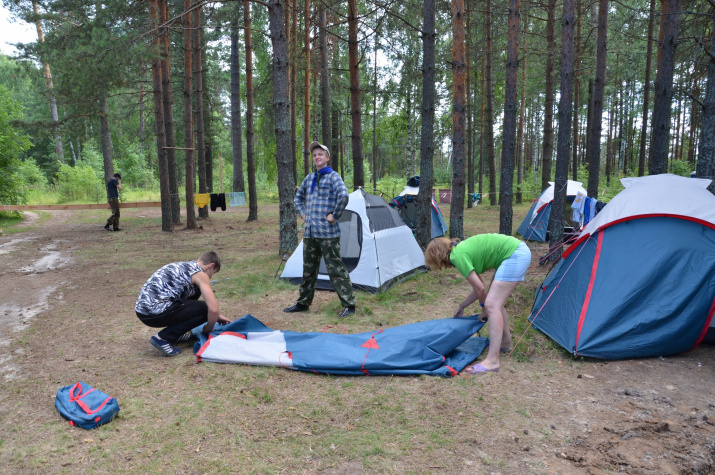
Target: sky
(14, 31)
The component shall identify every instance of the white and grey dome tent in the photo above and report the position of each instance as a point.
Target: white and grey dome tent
(377, 247)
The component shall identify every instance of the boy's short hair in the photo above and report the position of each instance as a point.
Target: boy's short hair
(210, 257)
(117, 175)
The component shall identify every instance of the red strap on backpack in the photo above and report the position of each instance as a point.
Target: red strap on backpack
(77, 398)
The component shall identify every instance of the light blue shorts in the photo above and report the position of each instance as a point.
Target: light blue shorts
(514, 268)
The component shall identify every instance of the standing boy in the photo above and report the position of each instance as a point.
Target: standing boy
(170, 299)
(320, 201)
(114, 186)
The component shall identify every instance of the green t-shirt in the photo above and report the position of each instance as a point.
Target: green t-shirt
(482, 252)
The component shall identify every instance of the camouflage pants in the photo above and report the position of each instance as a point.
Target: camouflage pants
(113, 220)
(328, 249)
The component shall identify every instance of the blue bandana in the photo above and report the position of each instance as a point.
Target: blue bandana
(322, 171)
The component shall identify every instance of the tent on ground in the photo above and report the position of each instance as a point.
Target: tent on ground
(435, 347)
(640, 279)
(406, 206)
(377, 247)
(535, 225)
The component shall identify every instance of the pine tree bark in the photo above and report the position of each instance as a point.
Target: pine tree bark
(470, 150)
(522, 115)
(59, 149)
(355, 108)
(325, 121)
(189, 156)
(663, 94)
(107, 149)
(706, 154)
(288, 239)
(594, 148)
(576, 94)
(199, 104)
(456, 211)
(236, 132)
(424, 197)
(167, 223)
(169, 113)
(250, 155)
(489, 108)
(306, 91)
(548, 139)
(563, 149)
(506, 188)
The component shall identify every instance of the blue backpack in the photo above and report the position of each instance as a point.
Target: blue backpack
(85, 406)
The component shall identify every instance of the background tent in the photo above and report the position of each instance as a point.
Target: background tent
(640, 279)
(436, 347)
(407, 208)
(535, 225)
(377, 247)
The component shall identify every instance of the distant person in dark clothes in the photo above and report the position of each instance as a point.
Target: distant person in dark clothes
(114, 186)
(170, 299)
(321, 200)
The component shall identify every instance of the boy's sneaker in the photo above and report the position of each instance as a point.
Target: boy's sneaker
(164, 346)
(346, 312)
(106, 227)
(296, 308)
(185, 337)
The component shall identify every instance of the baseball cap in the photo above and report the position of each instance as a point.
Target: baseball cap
(318, 145)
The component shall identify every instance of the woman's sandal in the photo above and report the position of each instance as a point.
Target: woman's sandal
(479, 369)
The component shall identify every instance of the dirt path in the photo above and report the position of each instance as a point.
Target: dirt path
(649, 416)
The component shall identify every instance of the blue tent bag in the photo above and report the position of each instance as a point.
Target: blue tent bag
(84, 406)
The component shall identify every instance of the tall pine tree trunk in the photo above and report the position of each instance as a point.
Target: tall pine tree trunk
(563, 149)
(306, 90)
(522, 115)
(250, 155)
(107, 149)
(470, 151)
(506, 188)
(663, 100)
(167, 223)
(424, 198)
(236, 132)
(189, 155)
(355, 109)
(169, 114)
(325, 121)
(706, 153)
(548, 144)
(576, 94)
(456, 211)
(489, 112)
(59, 150)
(199, 105)
(594, 147)
(288, 235)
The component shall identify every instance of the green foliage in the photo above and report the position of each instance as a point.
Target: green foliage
(12, 143)
(32, 176)
(681, 167)
(134, 168)
(82, 182)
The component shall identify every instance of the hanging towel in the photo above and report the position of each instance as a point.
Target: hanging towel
(218, 200)
(577, 206)
(237, 198)
(587, 211)
(201, 199)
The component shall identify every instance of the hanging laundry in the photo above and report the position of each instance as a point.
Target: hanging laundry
(577, 206)
(237, 198)
(201, 199)
(218, 200)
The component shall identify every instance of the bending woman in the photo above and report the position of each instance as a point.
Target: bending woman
(510, 257)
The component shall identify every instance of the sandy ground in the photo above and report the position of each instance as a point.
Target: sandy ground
(649, 416)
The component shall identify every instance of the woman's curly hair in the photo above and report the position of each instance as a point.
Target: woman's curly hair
(437, 253)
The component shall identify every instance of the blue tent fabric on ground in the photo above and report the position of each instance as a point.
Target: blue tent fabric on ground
(435, 347)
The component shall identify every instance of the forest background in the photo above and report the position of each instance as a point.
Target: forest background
(496, 97)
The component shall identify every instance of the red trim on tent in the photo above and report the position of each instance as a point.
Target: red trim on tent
(452, 371)
(707, 325)
(628, 218)
(587, 300)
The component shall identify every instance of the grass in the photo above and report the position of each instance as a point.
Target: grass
(180, 416)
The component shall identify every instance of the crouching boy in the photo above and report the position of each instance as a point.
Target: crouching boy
(170, 299)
